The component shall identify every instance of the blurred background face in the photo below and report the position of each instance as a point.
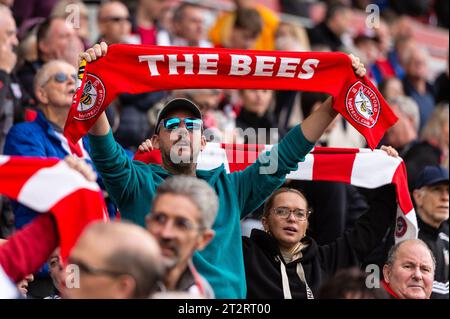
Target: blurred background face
(393, 89)
(411, 276)
(8, 3)
(114, 22)
(154, 8)
(403, 132)
(384, 35)
(206, 100)
(256, 101)
(342, 22)
(175, 223)
(288, 231)
(190, 26)
(242, 39)
(62, 42)
(8, 31)
(417, 65)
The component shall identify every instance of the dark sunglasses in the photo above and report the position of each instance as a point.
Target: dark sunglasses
(85, 268)
(61, 77)
(173, 123)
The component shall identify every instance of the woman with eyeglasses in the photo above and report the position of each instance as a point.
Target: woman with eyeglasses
(282, 261)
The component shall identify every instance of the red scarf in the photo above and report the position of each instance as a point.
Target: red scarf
(138, 69)
(49, 185)
(389, 289)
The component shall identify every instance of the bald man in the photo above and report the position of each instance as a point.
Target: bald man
(409, 270)
(114, 22)
(114, 260)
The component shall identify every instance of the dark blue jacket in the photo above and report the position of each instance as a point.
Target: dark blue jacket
(39, 139)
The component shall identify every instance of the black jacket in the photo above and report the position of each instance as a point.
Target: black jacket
(437, 240)
(262, 255)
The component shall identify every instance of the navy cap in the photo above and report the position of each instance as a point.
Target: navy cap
(431, 175)
(180, 104)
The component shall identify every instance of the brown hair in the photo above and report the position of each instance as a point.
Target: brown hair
(249, 19)
(269, 203)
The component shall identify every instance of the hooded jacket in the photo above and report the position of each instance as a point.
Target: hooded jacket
(269, 277)
(437, 241)
(133, 184)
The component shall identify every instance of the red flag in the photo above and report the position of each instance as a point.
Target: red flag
(359, 167)
(49, 185)
(139, 69)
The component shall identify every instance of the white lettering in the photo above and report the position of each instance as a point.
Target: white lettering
(208, 64)
(174, 64)
(151, 60)
(240, 64)
(288, 66)
(265, 65)
(308, 68)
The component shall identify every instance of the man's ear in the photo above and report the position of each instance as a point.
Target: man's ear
(386, 273)
(126, 286)
(205, 239)
(41, 95)
(418, 197)
(155, 141)
(43, 46)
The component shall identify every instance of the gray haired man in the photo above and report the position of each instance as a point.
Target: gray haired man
(181, 220)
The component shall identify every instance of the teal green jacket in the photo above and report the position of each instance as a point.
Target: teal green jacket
(133, 184)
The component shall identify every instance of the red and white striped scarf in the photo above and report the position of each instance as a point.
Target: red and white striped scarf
(359, 167)
(49, 185)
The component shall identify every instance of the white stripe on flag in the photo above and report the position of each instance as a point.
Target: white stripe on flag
(304, 171)
(212, 157)
(3, 159)
(37, 195)
(372, 169)
(7, 289)
(412, 230)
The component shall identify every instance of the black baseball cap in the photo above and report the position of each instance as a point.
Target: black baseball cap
(431, 175)
(177, 104)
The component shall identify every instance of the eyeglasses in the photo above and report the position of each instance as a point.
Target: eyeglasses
(61, 77)
(299, 214)
(182, 225)
(116, 19)
(85, 268)
(191, 124)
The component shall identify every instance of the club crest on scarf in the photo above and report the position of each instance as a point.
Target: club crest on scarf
(362, 104)
(91, 98)
(400, 227)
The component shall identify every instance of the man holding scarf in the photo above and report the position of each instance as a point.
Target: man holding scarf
(179, 136)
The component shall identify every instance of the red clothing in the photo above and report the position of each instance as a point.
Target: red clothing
(148, 36)
(386, 69)
(389, 289)
(29, 248)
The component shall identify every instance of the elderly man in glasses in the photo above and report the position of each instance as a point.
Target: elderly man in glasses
(181, 220)
(54, 86)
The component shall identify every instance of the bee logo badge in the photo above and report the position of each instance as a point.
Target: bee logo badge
(91, 99)
(362, 104)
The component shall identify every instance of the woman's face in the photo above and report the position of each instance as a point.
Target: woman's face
(287, 230)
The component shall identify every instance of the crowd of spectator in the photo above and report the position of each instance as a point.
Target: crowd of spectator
(40, 46)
